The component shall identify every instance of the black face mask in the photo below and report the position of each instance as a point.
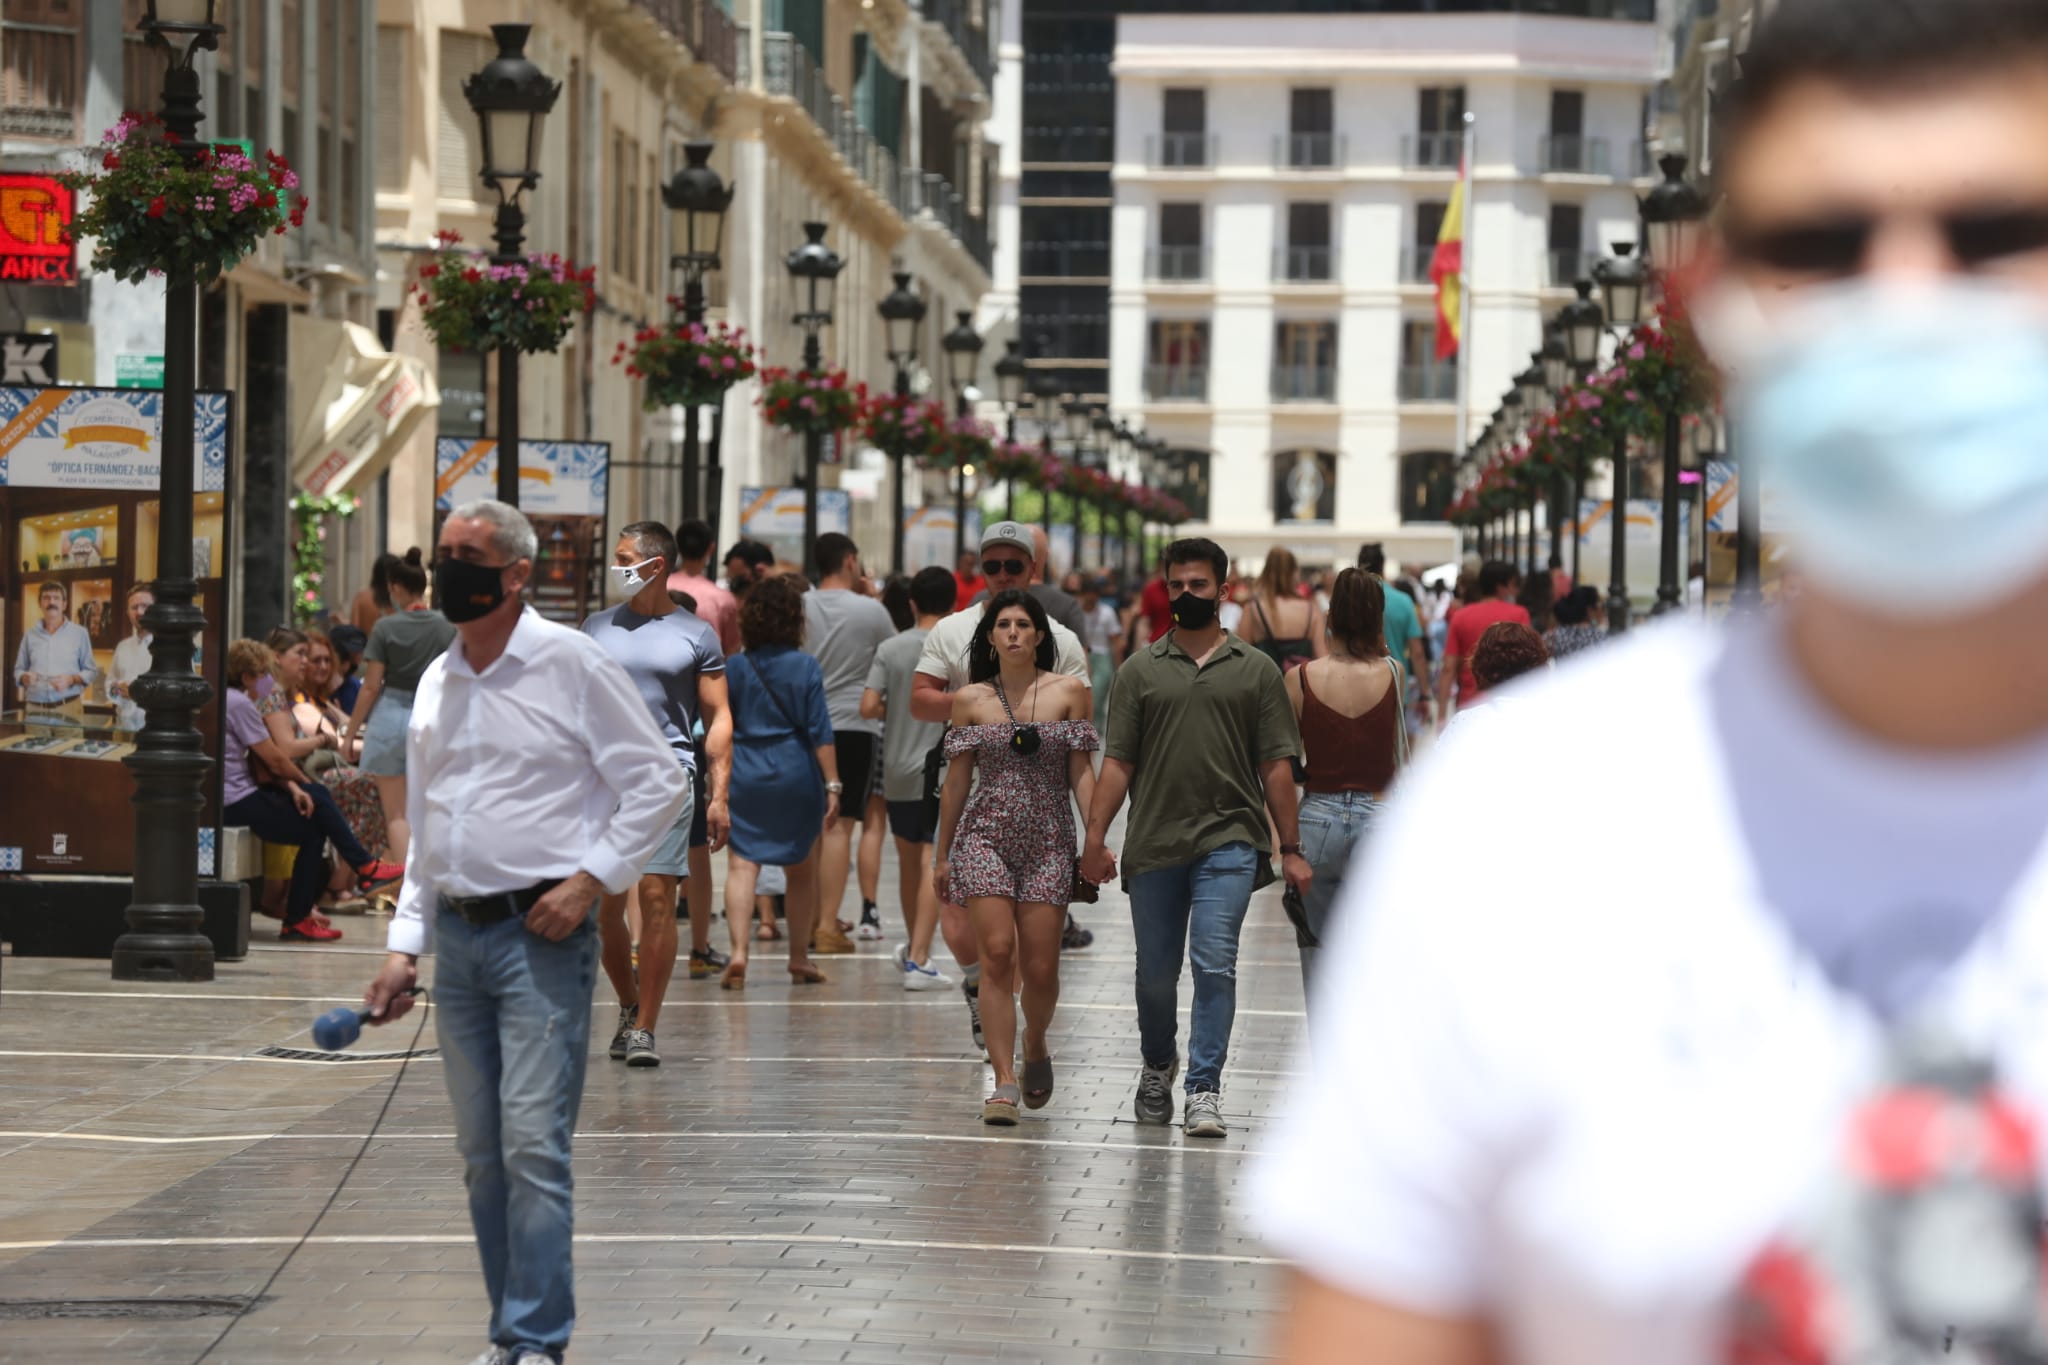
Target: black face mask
(1194, 613)
(465, 591)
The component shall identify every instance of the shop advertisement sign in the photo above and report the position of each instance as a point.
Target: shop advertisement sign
(556, 478)
(80, 524)
(775, 517)
(1643, 543)
(928, 536)
(36, 246)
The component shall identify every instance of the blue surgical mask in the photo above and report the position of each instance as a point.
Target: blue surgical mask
(1902, 432)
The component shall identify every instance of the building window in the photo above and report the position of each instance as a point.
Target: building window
(1428, 480)
(1187, 481)
(1183, 139)
(463, 396)
(1421, 252)
(1424, 378)
(1180, 255)
(1305, 487)
(1178, 367)
(1305, 362)
(1567, 254)
(1439, 141)
(1309, 253)
(459, 154)
(1567, 150)
(394, 70)
(1311, 128)
(1063, 242)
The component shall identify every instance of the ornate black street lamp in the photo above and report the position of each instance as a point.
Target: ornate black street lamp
(814, 269)
(1011, 372)
(962, 346)
(902, 310)
(697, 200)
(1623, 280)
(1556, 363)
(1533, 386)
(1045, 407)
(511, 97)
(171, 769)
(1673, 215)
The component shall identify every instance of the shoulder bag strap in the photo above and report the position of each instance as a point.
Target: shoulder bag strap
(802, 732)
(1400, 716)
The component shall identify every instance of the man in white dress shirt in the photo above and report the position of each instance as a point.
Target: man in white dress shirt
(539, 783)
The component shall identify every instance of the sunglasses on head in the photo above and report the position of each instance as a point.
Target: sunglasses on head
(1012, 567)
(1840, 245)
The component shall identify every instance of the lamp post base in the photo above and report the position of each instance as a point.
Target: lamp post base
(171, 948)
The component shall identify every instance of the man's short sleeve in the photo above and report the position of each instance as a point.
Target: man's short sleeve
(1279, 732)
(878, 673)
(932, 660)
(710, 654)
(1069, 657)
(1123, 737)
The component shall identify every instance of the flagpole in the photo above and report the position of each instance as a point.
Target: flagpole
(1465, 296)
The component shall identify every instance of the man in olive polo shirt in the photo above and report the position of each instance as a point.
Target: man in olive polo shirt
(1200, 734)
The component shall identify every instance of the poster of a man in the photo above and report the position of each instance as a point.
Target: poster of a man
(54, 665)
(131, 660)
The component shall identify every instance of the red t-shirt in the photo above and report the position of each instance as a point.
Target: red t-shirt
(970, 588)
(1157, 610)
(1467, 625)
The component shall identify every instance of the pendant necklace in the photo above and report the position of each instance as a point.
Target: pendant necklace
(1024, 739)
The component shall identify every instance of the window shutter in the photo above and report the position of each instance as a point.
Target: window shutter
(392, 73)
(458, 151)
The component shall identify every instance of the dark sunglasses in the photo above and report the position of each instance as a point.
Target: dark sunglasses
(1839, 246)
(1012, 567)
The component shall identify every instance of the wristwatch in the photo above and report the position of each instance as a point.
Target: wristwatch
(1290, 850)
(835, 787)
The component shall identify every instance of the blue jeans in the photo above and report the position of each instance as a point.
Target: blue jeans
(1197, 908)
(269, 814)
(512, 1014)
(1331, 825)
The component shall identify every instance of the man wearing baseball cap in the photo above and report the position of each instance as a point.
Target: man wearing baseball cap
(1009, 560)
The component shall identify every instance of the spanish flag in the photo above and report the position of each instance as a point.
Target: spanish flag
(1447, 270)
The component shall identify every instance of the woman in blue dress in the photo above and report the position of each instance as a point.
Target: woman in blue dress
(785, 773)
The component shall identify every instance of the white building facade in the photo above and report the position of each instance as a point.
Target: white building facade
(1279, 185)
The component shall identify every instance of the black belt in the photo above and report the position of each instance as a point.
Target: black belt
(483, 910)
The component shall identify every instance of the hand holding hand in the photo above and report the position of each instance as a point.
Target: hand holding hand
(386, 995)
(556, 915)
(1098, 864)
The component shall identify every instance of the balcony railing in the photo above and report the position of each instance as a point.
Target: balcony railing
(1571, 154)
(1433, 151)
(1180, 151)
(1176, 384)
(927, 193)
(702, 27)
(1641, 164)
(1309, 151)
(787, 70)
(39, 80)
(1566, 266)
(1177, 264)
(1087, 145)
(1065, 260)
(1305, 264)
(1429, 384)
(1304, 383)
(952, 16)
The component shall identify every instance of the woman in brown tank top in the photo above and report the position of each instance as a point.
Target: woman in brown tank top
(1350, 708)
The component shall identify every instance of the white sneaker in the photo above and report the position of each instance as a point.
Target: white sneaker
(497, 1355)
(870, 929)
(924, 978)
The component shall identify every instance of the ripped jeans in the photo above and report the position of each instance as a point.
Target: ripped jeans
(1197, 908)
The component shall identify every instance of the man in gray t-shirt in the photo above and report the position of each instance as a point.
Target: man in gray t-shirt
(678, 667)
(843, 627)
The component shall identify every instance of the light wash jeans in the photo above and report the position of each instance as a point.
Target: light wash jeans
(1198, 909)
(512, 1014)
(1332, 823)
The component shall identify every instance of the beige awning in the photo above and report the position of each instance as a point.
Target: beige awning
(353, 403)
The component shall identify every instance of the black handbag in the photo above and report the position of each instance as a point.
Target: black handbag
(1297, 915)
(934, 783)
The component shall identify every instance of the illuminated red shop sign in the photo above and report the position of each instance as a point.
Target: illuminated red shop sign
(35, 231)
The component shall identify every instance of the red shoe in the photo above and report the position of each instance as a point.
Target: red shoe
(378, 873)
(306, 931)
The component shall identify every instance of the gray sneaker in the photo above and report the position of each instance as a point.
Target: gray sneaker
(497, 1355)
(1203, 1115)
(629, 1018)
(972, 990)
(640, 1048)
(1155, 1093)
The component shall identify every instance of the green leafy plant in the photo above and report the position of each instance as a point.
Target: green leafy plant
(161, 208)
(309, 549)
(469, 302)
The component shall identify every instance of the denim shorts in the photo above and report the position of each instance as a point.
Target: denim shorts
(384, 734)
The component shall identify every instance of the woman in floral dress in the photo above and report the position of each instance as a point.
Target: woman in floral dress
(1006, 852)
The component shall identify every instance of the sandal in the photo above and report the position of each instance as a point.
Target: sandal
(767, 932)
(806, 975)
(999, 1110)
(734, 978)
(1037, 1078)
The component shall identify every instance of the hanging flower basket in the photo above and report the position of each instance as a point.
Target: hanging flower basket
(806, 402)
(1008, 460)
(963, 441)
(688, 364)
(468, 302)
(155, 209)
(895, 423)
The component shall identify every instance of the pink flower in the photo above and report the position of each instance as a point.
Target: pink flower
(1636, 352)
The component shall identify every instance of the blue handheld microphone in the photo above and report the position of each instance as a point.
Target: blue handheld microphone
(337, 1028)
